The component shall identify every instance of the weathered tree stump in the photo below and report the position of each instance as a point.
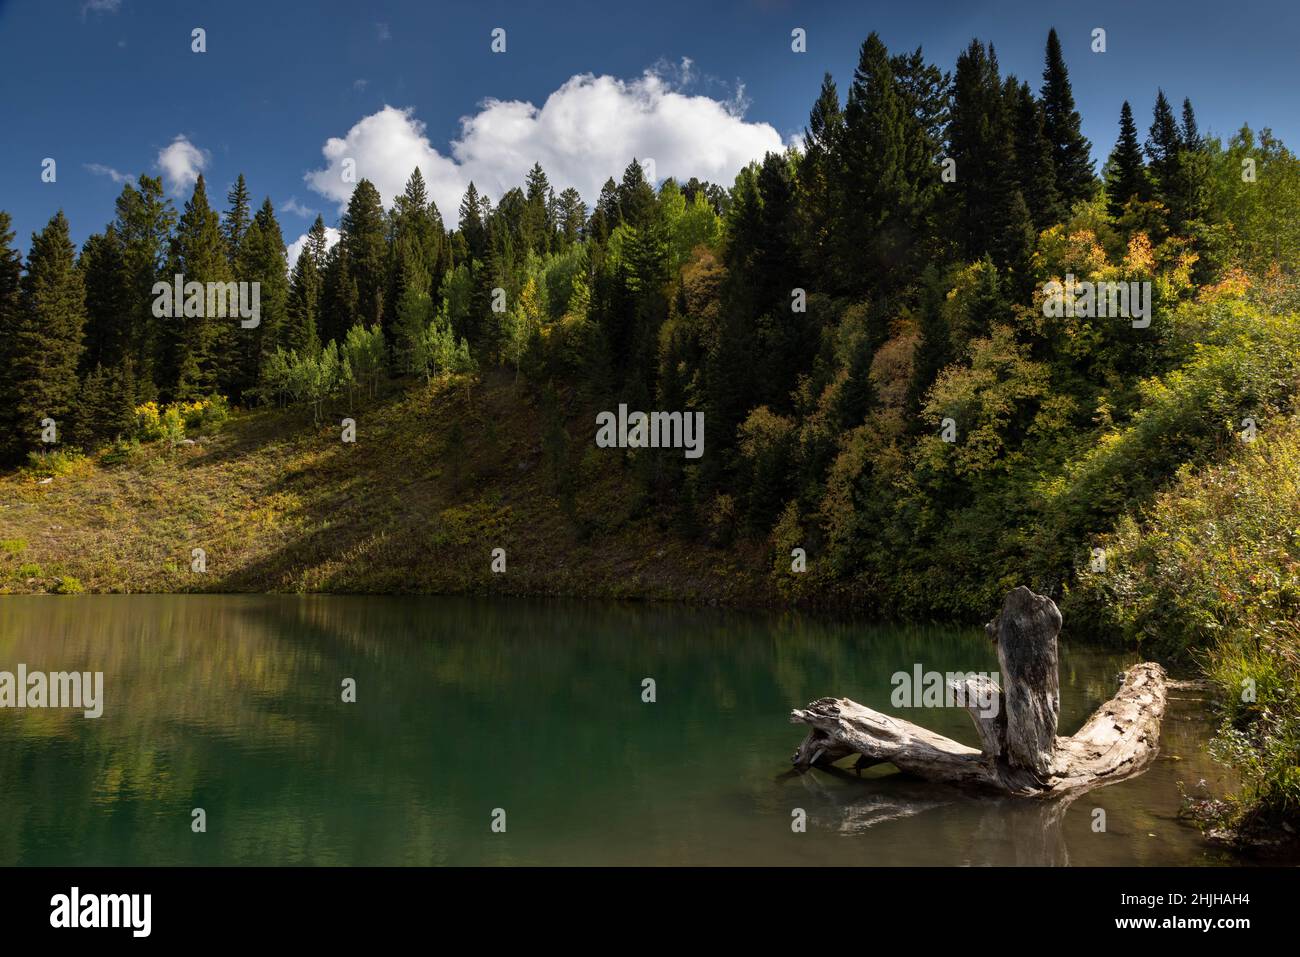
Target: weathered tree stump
(1020, 752)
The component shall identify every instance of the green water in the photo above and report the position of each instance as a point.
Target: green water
(233, 705)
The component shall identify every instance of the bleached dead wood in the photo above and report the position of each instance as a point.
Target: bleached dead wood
(1021, 754)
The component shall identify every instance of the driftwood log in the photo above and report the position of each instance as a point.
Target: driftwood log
(1020, 752)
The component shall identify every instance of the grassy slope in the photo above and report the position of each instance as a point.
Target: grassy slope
(434, 482)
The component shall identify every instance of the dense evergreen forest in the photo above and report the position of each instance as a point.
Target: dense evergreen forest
(861, 321)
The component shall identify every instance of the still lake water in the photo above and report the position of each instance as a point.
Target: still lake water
(233, 704)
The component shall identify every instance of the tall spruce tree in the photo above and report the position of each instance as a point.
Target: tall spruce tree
(108, 301)
(995, 219)
(105, 404)
(262, 260)
(1126, 172)
(237, 219)
(145, 219)
(818, 181)
(887, 180)
(572, 217)
(362, 235)
(301, 330)
(636, 196)
(1190, 132)
(471, 224)
(199, 345)
(480, 247)
(11, 271)
(1036, 171)
(536, 227)
(47, 339)
(1070, 148)
(605, 216)
(339, 309)
(1163, 146)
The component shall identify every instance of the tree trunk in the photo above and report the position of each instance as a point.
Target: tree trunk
(1025, 633)
(1020, 752)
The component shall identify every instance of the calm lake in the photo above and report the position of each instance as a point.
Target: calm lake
(463, 706)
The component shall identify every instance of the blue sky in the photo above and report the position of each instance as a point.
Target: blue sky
(107, 87)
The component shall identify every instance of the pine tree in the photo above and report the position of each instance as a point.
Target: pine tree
(995, 219)
(339, 310)
(145, 219)
(108, 301)
(236, 220)
(1163, 146)
(605, 217)
(301, 331)
(471, 224)
(784, 343)
(413, 315)
(1126, 172)
(105, 404)
(818, 179)
(11, 270)
(1194, 169)
(415, 233)
(636, 196)
(572, 215)
(1190, 133)
(536, 225)
(361, 234)
(1070, 148)
(1037, 171)
(46, 346)
(887, 180)
(262, 260)
(198, 345)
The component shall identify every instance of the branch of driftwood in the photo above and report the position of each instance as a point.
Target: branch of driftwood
(1020, 753)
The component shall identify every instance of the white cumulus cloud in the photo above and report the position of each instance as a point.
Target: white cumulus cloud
(181, 162)
(586, 131)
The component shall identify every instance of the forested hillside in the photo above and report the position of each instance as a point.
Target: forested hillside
(862, 320)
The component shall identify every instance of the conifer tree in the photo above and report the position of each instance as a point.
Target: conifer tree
(236, 220)
(197, 344)
(1164, 147)
(262, 260)
(887, 180)
(301, 331)
(339, 310)
(1061, 123)
(105, 404)
(415, 234)
(536, 226)
(361, 234)
(480, 246)
(108, 301)
(11, 270)
(1034, 165)
(414, 313)
(471, 224)
(1190, 133)
(1126, 172)
(572, 217)
(819, 178)
(145, 219)
(636, 196)
(605, 217)
(47, 339)
(995, 219)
